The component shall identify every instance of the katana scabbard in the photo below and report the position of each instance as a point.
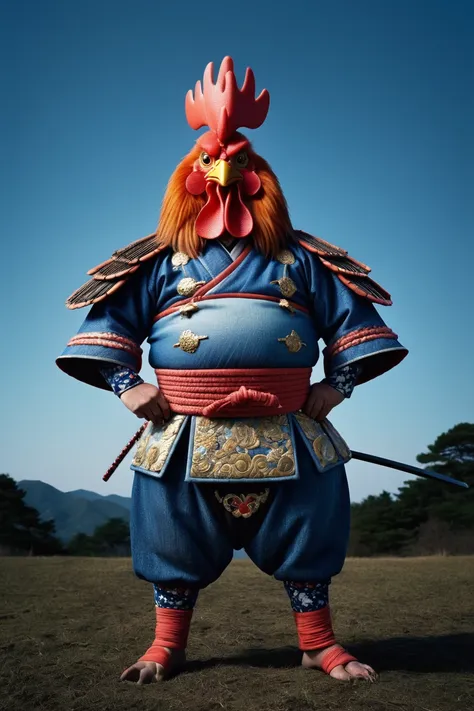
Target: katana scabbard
(391, 464)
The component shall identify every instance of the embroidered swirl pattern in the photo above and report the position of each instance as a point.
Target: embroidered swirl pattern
(233, 449)
(155, 444)
(326, 442)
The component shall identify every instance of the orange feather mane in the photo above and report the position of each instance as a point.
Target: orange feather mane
(176, 227)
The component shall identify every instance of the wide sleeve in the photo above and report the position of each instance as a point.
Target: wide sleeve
(113, 331)
(351, 327)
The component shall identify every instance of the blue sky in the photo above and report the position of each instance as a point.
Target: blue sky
(369, 131)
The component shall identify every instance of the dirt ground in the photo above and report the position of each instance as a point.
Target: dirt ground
(68, 627)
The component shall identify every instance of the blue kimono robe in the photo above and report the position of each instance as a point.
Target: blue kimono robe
(249, 313)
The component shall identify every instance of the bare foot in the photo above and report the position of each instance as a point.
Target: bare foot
(151, 672)
(346, 672)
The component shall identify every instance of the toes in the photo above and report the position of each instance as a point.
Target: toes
(143, 673)
(147, 676)
(373, 676)
(357, 670)
(340, 673)
(130, 674)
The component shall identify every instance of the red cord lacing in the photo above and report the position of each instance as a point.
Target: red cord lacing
(236, 392)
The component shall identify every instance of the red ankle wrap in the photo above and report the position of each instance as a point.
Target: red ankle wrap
(335, 657)
(172, 629)
(314, 629)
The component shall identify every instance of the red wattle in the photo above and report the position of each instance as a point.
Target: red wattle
(210, 221)
(238, 220)
(251, 182)
(196, 183)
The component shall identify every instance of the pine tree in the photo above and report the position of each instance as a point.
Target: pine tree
(425, 515)
(452, 453)
(21, 530)
(111, 538)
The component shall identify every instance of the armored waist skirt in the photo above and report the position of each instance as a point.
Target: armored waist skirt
(240, 424)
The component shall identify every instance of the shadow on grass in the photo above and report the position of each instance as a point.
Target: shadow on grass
(444, 653)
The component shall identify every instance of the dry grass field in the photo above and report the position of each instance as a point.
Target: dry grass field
(69, 626)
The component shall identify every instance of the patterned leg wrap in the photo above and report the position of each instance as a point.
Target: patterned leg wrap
(175, 598)
(307, 597)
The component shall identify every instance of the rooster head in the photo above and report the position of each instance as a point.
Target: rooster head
(231, 191)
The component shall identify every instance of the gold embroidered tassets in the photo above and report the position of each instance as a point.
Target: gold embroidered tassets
(325, 440)
(286, 257)
(225, 449)
(155, 445)
(293, 342)
(321, 444)
(324, 450)
(189, 341)
(338, 441)
(179, 259)
(188, 286)
(286, 285)
(188, 309)
(244, 505)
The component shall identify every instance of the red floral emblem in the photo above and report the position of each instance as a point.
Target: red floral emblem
(244, 505)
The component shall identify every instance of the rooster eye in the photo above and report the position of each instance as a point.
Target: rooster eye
(205, 159)
(242, 159)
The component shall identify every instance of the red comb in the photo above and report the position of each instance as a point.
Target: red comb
(223, 106)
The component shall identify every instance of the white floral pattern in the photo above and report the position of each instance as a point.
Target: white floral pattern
(120, 378)
(175, 598)
(344, 379)
(307, 597)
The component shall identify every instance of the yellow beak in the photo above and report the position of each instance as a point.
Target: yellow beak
(224, 173)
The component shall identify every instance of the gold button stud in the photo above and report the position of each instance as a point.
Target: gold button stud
(179, 259)
(286, 285)
(188, 286)
(293, 342)
(286, 257)
(188, 310)
(285, 304)
(189, 342)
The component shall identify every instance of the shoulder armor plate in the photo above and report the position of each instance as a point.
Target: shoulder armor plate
(352, 273)
(110, 275)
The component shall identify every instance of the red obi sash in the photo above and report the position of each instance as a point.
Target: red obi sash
(235, 392)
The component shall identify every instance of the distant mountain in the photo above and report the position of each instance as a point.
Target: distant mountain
(78, 511)
(74, 511)
(124, 501)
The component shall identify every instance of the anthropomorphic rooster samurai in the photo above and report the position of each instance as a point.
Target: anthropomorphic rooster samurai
(237, 452)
